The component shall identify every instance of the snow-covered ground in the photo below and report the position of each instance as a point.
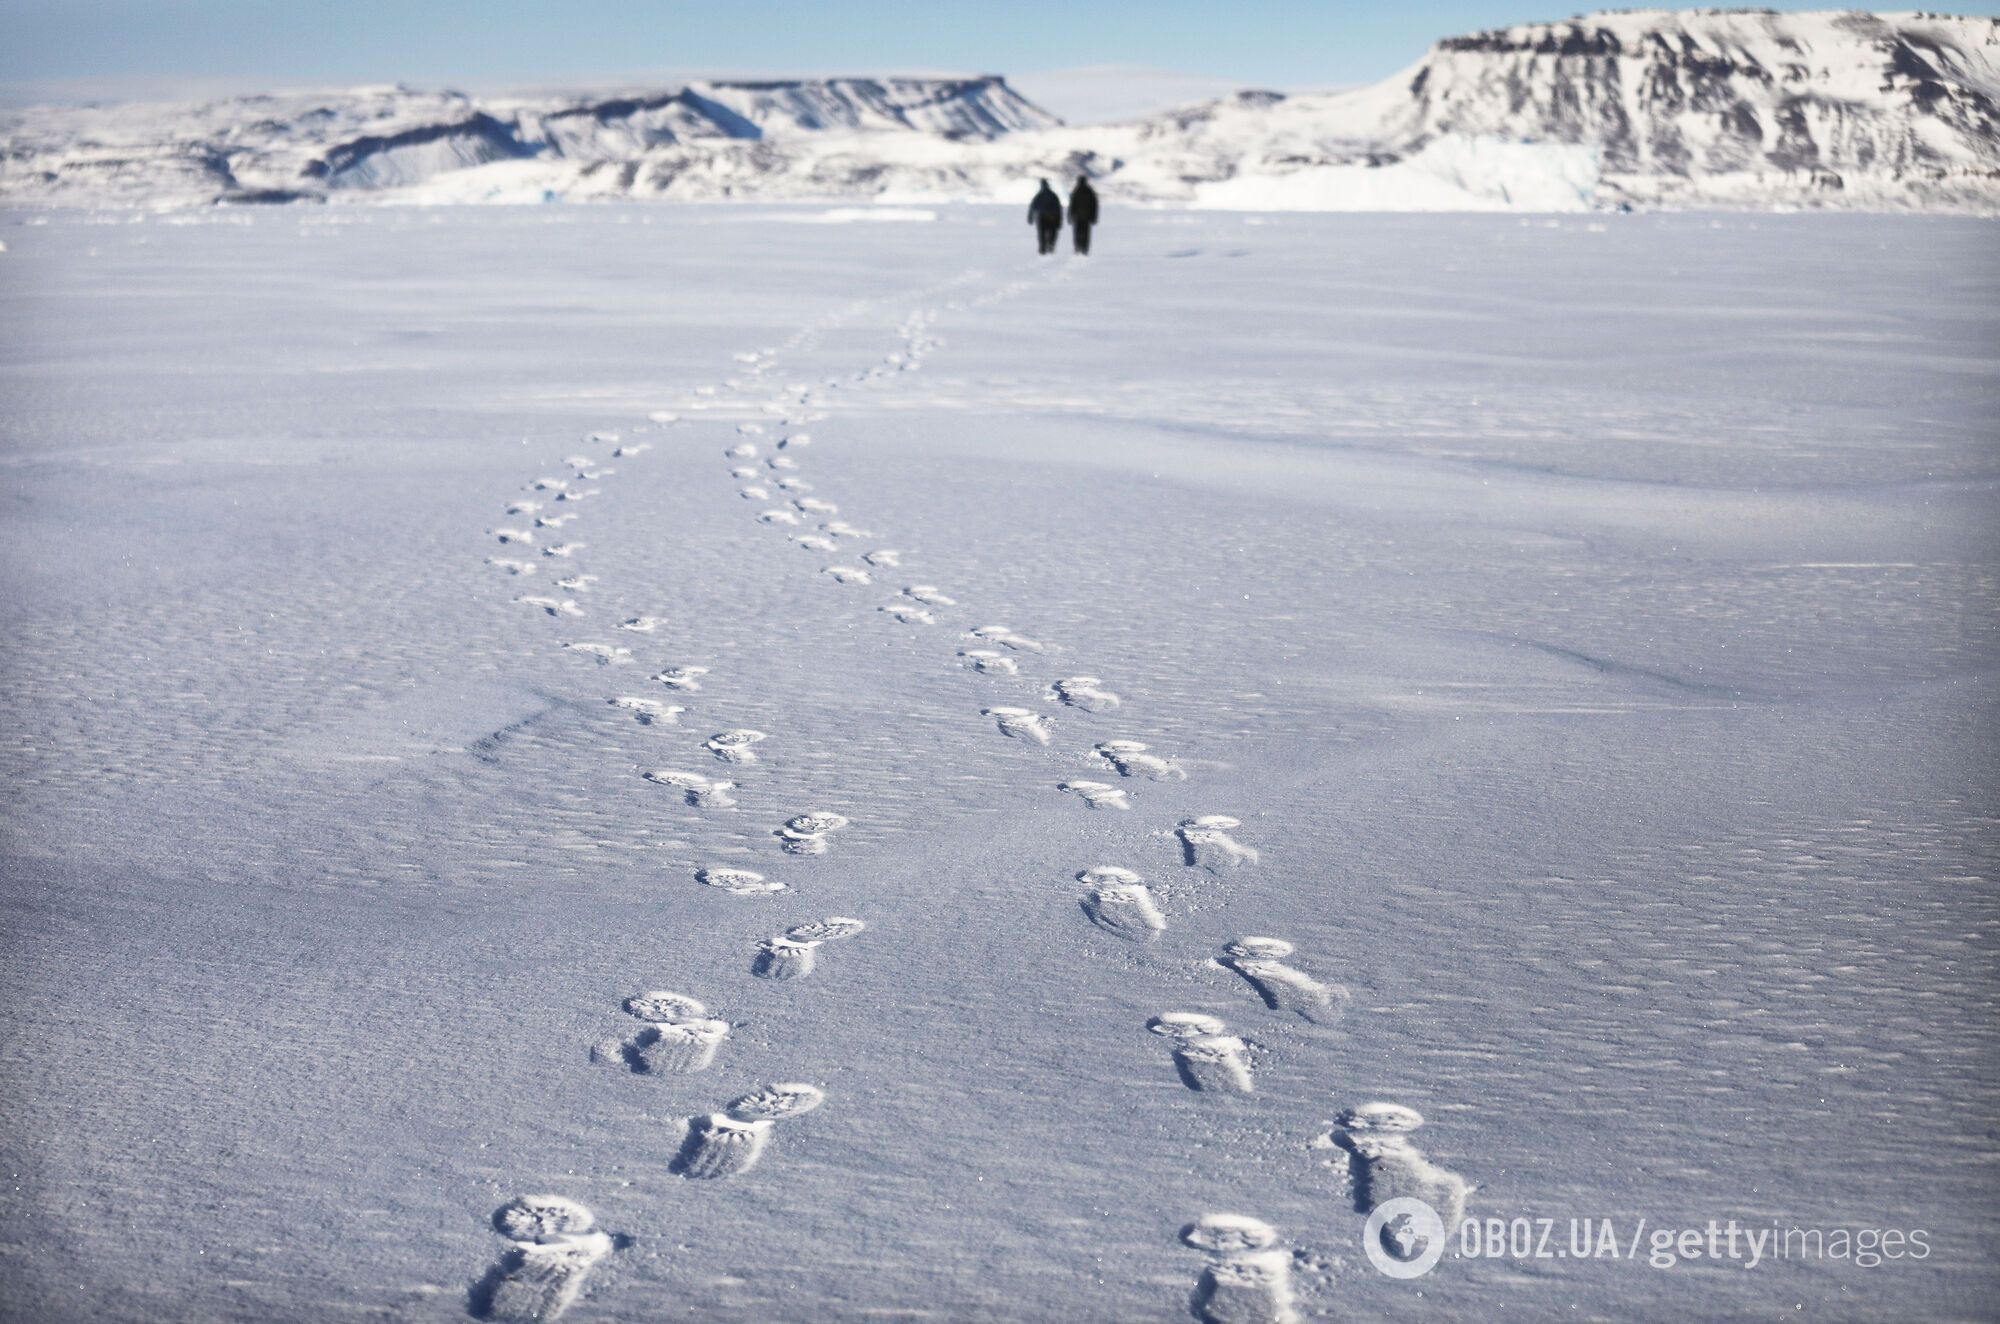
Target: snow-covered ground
(1590, 623)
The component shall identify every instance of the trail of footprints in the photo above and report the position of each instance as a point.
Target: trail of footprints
(553, 1242)
(1247, 1275)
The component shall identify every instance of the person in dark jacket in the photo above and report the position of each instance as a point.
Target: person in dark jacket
(1082, 214)
(1045, 214)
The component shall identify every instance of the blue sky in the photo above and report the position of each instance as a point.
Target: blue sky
(489, 43)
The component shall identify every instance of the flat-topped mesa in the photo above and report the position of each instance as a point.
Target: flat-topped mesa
(1906, 99)
(1714, 109)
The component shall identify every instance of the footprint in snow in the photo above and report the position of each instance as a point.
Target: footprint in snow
(814, 542)
(847, 574)
(1131, 759)
(1020, 723)
(883, 558)
(1261, 963)
(1206, 843)
(729, 1143)
(742, 450)
(1384, 1164)
(1085, 692)
(814, 506)
(790, 955)
(906, 614)
(512, 567)
(685, 679)
(556, 1243)
(699, 791)
(738, 882)
(553, 521)
(549, 484)
(1006, 638)
(605, 655)
(523, 507)
(1096, 795)
(989, 663)
(565, 549)
(631, 448)
(810, 834)
(776, 516)
(1120, 903)
(928, 594)
(513, 536)
(842, 529)
(649, 712)
(642, 624)
(754, 493)
(796, 439)
(1206, 1055)
(735, 746)
(680, 1037)
(1248, 1278)
(553, 606)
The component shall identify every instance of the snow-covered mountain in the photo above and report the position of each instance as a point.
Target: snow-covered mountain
(312, 146)
(1651, 108)
(1721, 106)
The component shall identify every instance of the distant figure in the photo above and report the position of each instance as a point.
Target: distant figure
(1082, 214)
(1045, 214)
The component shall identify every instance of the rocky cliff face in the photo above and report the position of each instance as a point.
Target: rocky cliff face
(1801, 102)
(1651, 108)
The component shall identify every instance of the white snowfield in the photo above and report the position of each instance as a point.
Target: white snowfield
(1647, 108)
(1181, 749)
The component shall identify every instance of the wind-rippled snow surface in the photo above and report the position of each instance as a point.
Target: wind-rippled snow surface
(1575, 641)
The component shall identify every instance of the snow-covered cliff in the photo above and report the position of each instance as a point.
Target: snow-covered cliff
(1650, 108)
(1717, 106)
(276, 148)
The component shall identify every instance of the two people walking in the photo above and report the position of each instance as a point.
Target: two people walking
(1045, 213)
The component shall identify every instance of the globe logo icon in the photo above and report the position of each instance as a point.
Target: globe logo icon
(1403, 1238)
